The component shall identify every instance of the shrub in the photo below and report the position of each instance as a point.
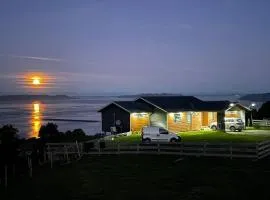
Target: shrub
(257, 126)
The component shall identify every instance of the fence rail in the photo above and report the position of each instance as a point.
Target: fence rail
(263, 122)
(205, 149)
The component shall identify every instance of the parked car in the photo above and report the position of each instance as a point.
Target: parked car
(157, 134)
(233, 124)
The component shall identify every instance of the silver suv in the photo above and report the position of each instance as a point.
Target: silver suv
(232, 124)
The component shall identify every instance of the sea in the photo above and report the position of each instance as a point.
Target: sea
(29, 116)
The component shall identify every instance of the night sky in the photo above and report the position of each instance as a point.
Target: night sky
(133, 46)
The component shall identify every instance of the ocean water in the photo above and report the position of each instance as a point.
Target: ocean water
(28, 116)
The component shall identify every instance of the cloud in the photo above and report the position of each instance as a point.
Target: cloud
(185, 26)
(49, 59)
(36, 58)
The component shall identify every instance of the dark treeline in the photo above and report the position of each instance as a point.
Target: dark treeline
(263, 112)
(14, 150)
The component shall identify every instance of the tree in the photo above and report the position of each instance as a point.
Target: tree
(264, 111)
(78, 132)
(8, 144)
(8, 134)
(49, 132)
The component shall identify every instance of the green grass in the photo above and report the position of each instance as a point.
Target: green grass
(208, 136)
(218, 136)
(145, 177)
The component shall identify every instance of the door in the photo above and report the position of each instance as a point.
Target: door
(163, 135)
(205, 119)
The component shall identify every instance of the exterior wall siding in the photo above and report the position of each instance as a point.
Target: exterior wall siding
(196, 123)
(212, 117)
(184, 124)
(137, 122)
(113, 113)
(234, 112)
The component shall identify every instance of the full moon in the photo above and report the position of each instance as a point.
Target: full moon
(36, 81)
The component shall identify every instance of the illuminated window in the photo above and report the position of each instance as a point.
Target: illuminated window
(140, 115)
(212, 115)
(189, 117)
(177, 117)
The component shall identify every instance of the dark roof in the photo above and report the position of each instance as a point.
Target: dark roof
(186, 103)
(130, 106)
(133, 106)
(174, 103)
(213, 105)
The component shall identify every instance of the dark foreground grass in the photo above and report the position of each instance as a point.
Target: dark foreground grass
(147, 177)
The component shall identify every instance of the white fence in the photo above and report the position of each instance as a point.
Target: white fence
(264, 122)
(230, 150)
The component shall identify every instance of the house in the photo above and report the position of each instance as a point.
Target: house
(175, 113)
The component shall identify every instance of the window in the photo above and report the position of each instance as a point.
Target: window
(189, 117)
(177, 117)
(163, 131)
(140, 115)
(239, 120)
(212, 115)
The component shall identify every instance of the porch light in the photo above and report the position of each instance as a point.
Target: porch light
(253, 104)
(171, 114)
(232, 104)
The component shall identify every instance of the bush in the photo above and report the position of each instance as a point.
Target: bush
(102, 144)
(88, 146)
(257, 126)
(136, 132)
(49, 133)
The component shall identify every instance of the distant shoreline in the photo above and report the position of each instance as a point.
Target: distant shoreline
(70, 120)
(33, 97)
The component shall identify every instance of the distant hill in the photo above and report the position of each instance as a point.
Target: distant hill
(263, 97)
(149, 94)
(32, 97)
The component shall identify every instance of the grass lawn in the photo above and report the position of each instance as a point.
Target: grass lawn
(209, 136)
(147, 177)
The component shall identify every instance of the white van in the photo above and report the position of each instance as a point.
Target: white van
(157, 134)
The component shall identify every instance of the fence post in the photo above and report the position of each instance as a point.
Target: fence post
(158, 148)
(51, 156)
(182, 148)
(45, 154)
(6, 176)
(79, 154)
(98, 144)
(138, 148)
(118, 147)
(231, 151)
(13, 170)
(268, 148)
(204, 148)
(67, 157)
(49, 151)
(30, 166)
(257, 150)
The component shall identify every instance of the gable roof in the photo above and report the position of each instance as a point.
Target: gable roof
(173, 103)
(213, 105)
(129, 106)
(238, 105)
